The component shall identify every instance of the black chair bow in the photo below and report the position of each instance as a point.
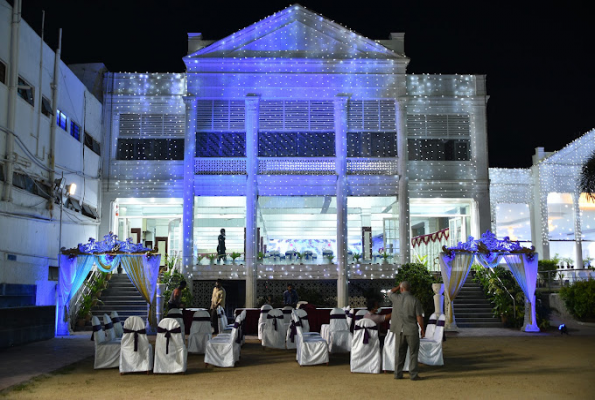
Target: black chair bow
(264, 311)
(293, 330)
(431, 322)
(208, 319)
(286, 311)
(115, 320)
(274, 318)
(338, 316)
(240, 336)
(136, 333)
(175, 315)
(168, 335)
(108, 326)
(366, 333)
(440, 323)
(96, 328)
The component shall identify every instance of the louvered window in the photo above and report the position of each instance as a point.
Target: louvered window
(152, 125)
(220, 115)
(296, 115)
(150, 149)
(438, 137)
(220, 144)
(296, 144)
(372, 128)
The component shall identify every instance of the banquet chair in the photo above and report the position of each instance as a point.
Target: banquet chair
(176, 314)
(356, 316)
(264, 310)
(117, 324)
(223, 351)
(171, 355)
(338, 336)
(348, 316)
(222, 320)
(107, 353)
(431, 326)
(388, 351)
(365, 349)
(200, 332)
(136, 353)
(430, 348)
(274, 332)
(108, 327)
(310, 349)
(287, 310)
(239, 325)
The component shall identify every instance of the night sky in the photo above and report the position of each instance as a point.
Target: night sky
(539, 61)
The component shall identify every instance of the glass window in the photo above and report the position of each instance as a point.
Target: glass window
(587, 209)
(61, 119)
(371, 144)
(46, 107)
(220, 144)
(75, 130)
(92, 144)
(560, 216)
(514, 221)
(439, 150)
(2, 73)
(150, 149)
(296, 144)
(25, 91)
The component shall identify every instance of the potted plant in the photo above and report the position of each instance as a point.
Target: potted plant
(200, 257)
(260, 256)
(385, 255)
(234, 255)
(330, 258)
(299, 256)
(356, 257)
(212, 257)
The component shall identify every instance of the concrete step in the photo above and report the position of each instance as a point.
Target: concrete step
(484, 324)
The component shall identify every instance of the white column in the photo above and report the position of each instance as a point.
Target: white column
(539, 217)
(251, 256)
(341, 104)
(188, 196)
(578, 243)
(404, 235)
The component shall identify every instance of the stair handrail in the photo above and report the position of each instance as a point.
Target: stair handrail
(504, 287)
(75, 304)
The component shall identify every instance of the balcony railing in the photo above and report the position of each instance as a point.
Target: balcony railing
(296, 166)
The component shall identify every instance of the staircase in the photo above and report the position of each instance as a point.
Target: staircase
(121, 296)
(472, 309)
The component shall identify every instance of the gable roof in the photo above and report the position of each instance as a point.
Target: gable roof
(297, 33)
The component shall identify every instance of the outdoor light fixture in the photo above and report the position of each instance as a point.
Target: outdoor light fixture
(563, 329)
(71, 189)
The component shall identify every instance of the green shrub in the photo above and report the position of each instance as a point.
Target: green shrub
(421, 284)
(545, 268)
(580, 299)
(172, 280)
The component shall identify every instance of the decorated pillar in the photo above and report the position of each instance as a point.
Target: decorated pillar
(404, 234)
(251, 256)
(578, 242)
(341, 104)
(188, 195)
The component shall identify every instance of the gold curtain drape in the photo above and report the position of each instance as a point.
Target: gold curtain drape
(454, 273)
(143, 272)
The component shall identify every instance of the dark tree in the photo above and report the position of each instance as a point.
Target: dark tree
(586, 182)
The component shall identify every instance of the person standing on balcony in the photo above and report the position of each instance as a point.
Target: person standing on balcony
(221, 247)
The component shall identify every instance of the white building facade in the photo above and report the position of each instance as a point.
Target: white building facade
(51, 131)
(296, 134)
(543, 206)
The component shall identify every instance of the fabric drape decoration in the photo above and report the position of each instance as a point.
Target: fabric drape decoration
(73, 272)
(143, 272)
(525, 273)
(106, 262)
(454, 273)
(488, 260)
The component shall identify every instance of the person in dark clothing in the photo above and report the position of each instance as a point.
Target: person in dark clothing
(221, 247)
(290, 296)
(175, 301)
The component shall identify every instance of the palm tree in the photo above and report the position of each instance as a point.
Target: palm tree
(586, 183)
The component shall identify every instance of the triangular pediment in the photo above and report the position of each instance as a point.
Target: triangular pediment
(295, 32)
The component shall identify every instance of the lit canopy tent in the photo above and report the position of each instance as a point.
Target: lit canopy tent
(140, 263)
(455, 264)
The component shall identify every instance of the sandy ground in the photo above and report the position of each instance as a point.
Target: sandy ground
(531, 367)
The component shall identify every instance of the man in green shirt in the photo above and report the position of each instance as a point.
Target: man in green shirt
(406, 315)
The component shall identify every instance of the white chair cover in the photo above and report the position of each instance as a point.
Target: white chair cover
(108, 327)
(388, 352)
(223, 350)
(430, 349)
(338, 337)
(348, 316)
(200, 332)
(264, 310)
(107, 353)
(274, 331)
(171, 355)
(287, 310)
(136, 353)
(310, 349)
(431, 326)
(117, 324)
(365, 349)
(176, 314)
(222, 319)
